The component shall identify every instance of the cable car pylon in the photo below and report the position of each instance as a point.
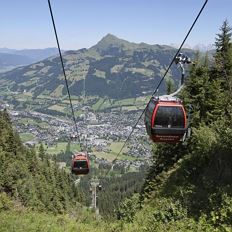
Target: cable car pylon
(94, 186)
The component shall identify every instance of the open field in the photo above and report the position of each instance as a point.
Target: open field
(57, 108)
(60, 103)
(61, 146)
(114, 148)
(111, 156)
(74, 147)
(98, 104)
(29, 121)
(26, 137)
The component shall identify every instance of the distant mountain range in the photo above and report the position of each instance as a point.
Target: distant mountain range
(199, 47)
(113, 68)
(10, 58)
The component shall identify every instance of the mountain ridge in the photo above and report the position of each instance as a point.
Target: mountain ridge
(12, 58)
(112, 68)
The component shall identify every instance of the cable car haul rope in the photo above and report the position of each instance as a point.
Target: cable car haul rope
(80, 161)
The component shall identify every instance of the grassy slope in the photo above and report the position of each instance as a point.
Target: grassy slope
(12, 221)
(100, 104)
(84, 221)
(32, 221)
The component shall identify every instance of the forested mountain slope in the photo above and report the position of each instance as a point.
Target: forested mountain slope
(189, 186)
(32, 179)
(113, 68)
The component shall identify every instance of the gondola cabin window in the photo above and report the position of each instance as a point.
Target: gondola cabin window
(80, 164)
(169, 116)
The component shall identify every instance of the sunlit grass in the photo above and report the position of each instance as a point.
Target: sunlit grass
(26, 137)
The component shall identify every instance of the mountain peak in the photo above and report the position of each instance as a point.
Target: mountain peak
(110, 40)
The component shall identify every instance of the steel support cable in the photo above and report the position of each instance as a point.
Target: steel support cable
(157, 87)
(86, 126)
(65, 77)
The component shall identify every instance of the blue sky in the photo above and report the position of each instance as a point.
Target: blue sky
(82, 23)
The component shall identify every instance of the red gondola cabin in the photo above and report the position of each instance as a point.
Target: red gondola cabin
(80, 164)
(165, 120)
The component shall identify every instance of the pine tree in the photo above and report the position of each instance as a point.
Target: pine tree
(223, 57)
(223, 64)
(170, 86)
(41, 152)
(68, 149)
(203, 93)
